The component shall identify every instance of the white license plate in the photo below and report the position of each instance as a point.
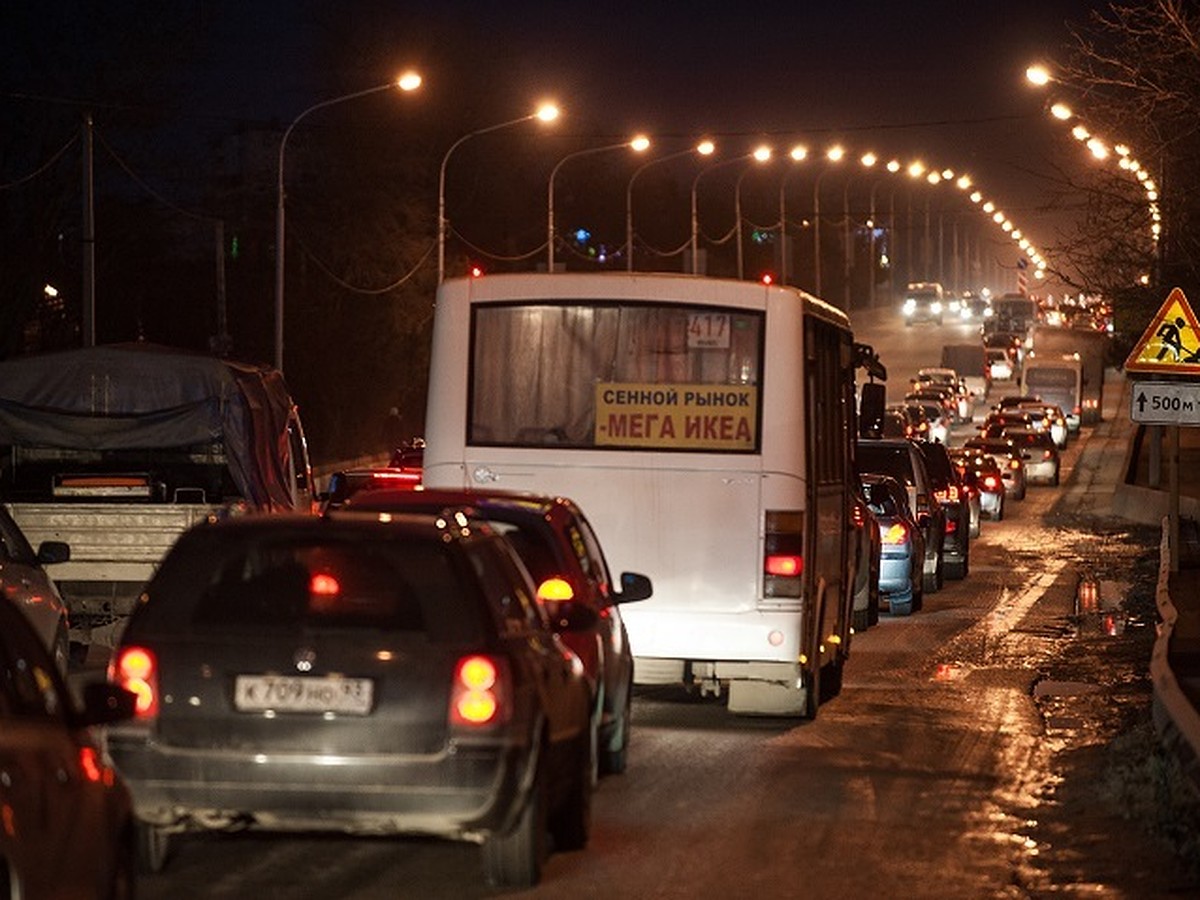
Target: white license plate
(283, 693)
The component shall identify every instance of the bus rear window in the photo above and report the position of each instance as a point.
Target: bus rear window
(609, 376)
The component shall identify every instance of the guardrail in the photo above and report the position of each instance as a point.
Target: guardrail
(1175, 717)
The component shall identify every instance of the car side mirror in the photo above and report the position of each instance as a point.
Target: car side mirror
(571, 615)
(105, 703)
(633, 587)
(871, 404)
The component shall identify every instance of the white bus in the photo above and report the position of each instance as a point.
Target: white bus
(705, 426)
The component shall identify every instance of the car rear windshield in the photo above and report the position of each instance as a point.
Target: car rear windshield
(413, 586)
(886, 459)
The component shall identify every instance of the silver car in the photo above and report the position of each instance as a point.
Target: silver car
(26, 583)
(902, 544)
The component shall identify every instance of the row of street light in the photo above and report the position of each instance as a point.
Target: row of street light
(1103, 150)
(546, 113)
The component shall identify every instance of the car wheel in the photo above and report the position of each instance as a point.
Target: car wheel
(153, 847)
(902, 609)
(862, 620)
(614, 755)
(62, 648)
(873, 600)
(572, 821)
(122, 884)
(831, 679)
(515, 859)
(1054, 480)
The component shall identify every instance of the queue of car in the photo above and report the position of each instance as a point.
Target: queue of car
(929, 500)
(421, 662)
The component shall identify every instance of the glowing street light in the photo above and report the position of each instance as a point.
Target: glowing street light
(638, 144)
(407, 82)
(798, 154)
(704, 148)
(547, 112)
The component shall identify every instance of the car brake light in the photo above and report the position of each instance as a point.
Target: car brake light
(951, 525)
(324, 585)
(555, 589)
(1046, 454)
(136, 670)
(990, 482)
(477, 696)
(896, 533)
(89, 764)
(859, 515)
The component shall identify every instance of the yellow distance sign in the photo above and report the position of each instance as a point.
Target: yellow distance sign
(677, 416)
(1172, 342)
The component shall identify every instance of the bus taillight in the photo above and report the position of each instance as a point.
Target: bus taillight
(783, 553)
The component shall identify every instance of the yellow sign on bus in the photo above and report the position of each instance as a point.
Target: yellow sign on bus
(677, 416)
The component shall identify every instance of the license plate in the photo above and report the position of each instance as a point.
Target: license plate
(283, 693)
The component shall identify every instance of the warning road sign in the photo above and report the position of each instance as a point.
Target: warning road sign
(1171, 345)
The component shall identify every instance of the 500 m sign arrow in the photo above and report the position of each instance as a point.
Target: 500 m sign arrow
(1165, 403)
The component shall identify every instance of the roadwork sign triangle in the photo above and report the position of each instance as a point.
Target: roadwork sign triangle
(1172, 342)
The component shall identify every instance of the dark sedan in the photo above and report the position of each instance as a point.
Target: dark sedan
(67, 818)
(561, 551)
(363, 673)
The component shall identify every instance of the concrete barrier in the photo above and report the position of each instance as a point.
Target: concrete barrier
(1175, 717)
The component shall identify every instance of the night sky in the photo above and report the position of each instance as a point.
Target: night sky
(942, 81)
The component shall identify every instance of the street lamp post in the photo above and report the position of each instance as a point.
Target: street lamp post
(833, 154)
(704, 148)
(409, 81)
(868, 161)
(548, 112)
(638, 144)
(761, 153)
(798, 154)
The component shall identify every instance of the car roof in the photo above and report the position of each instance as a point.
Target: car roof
(513, 507)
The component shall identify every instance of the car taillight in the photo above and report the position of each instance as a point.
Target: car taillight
(1014, 464)
(783, 553)
(951, 525)
(991, 482)
(135, 669)
(859, 515)
(479, 694)
(894, 534)
(1047, 455)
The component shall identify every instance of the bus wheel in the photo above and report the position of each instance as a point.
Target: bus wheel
(812, 690)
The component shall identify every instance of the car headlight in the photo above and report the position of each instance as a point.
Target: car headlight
(936, 307)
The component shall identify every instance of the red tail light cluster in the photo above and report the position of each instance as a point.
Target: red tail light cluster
(951, 525)
(895, 534)
(950, 495)
(783, 553)
(479, 695)
(991, 482)
(136, 669)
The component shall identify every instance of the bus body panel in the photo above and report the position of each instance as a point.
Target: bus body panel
(693, 521)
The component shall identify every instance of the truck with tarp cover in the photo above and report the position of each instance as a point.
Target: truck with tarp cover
(1091, 346)
(119, 449)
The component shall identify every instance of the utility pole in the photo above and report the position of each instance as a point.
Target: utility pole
(87, 300)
